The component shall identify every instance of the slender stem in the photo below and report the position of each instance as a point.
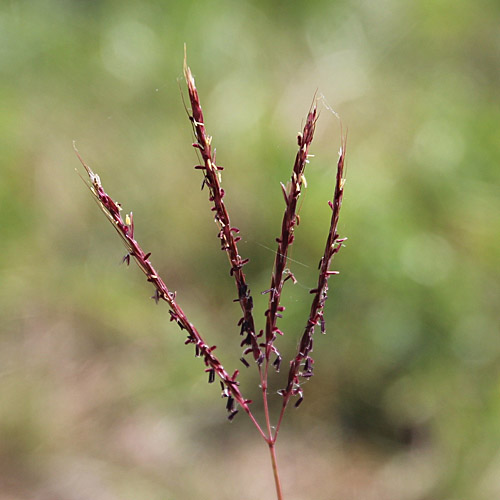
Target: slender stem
(277, 481)
(280, 419)
(259, 428)
(270, 439)
(266, 405)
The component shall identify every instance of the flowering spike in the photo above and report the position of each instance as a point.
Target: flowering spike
(212, 179)
(291, 193)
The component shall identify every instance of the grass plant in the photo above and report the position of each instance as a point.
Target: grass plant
(259, 347)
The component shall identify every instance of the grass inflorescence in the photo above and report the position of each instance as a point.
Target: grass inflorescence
(259, 346)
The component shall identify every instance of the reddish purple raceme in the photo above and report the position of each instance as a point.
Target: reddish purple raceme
(291, 193)
(125, 229)
(259, 345)
(226, 231)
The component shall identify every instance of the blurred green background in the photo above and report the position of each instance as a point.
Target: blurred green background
(99, 398)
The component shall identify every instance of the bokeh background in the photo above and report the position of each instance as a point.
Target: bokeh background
(99, 398)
